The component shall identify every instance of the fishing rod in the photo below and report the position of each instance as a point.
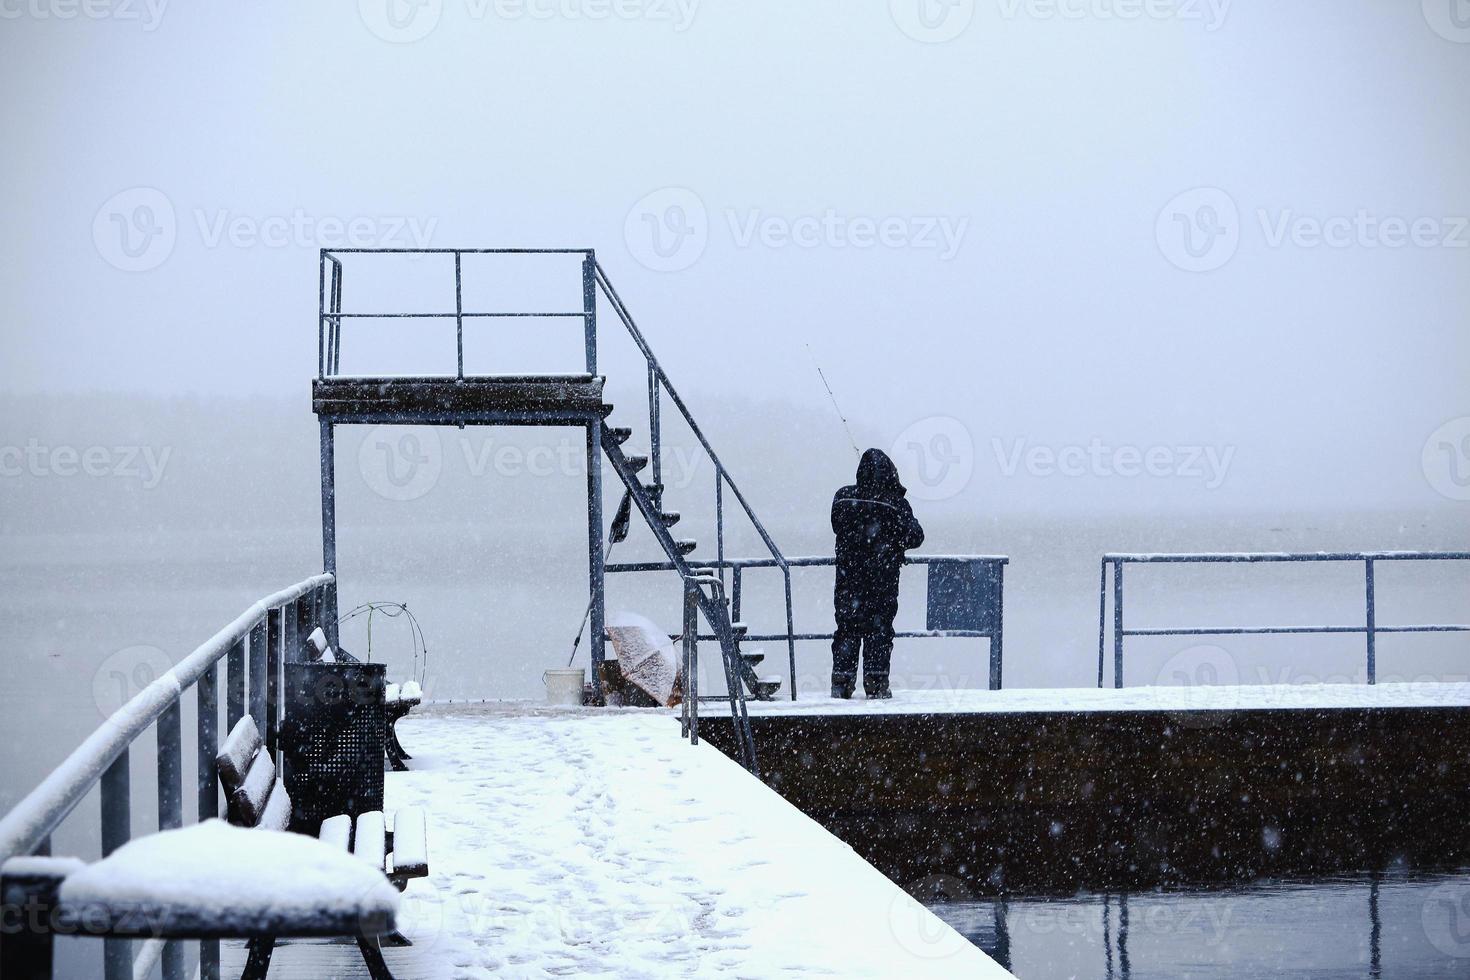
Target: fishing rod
(835, 407)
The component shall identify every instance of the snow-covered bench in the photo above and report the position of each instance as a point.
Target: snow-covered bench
(212, 881)
(399, 699)
(258, 798)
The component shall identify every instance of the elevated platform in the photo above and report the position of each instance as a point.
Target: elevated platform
(579, 842)
(544, 399)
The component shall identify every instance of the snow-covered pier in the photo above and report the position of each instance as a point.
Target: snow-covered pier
(568, 842)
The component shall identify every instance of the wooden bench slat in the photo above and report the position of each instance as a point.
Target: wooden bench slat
(410, 843)
(370, 842)
(277, 812)
(235, 755)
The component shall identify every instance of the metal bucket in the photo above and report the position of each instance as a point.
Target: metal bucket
(564, 685)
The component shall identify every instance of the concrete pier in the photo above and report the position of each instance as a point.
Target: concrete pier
(1057, 790)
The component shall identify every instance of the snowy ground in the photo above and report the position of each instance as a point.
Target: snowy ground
(1197, 698)
(567, 842)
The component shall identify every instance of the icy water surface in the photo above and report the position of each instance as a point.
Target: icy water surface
(1390, 926)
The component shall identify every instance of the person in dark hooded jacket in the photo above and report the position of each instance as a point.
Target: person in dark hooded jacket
(874, 526)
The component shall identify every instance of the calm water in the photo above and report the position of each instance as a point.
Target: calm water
(1390, 925)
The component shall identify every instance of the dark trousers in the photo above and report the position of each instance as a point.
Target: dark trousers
(876, 647)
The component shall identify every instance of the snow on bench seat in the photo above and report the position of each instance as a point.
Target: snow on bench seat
(410, 843)
(215, 880)
(370, 843)
(337, 831)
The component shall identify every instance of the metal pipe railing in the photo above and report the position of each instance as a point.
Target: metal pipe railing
(1370, 628)
(738, 566)
(248, 645)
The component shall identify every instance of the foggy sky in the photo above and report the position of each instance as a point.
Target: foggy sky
(1025, 168)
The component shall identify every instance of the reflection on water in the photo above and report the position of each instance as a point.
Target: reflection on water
(1389, 925)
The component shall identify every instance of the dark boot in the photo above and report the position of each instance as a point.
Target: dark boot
(843, 685)
(845, 649)
(875, 686)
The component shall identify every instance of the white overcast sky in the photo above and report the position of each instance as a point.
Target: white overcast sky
(1051, 143)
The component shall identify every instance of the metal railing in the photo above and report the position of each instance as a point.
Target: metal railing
(738, 566)
(1369, 629)
(689, 646)
(253, 647)
(659, 383)
(330, 313)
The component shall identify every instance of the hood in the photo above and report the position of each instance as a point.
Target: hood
(878, 476)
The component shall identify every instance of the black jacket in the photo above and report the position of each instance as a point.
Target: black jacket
(874, 526)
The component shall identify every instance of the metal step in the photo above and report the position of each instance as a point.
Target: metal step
(619, 435)
(636, 462)
(670, 517)
(766, 688)
(740, 629)
(685, 545)
(753, 658)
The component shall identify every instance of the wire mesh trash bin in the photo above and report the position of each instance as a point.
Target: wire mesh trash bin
(332, 733)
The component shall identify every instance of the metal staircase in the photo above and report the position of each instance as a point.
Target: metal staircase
(649, 497)
(577, 400)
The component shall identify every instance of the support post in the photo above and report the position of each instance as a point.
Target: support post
(171, 808)
(117, 954)
(261, 655)
(282, 639)
(329, 525)
(997, 639)
(458, 316)
(589, 309)
(255, 695)
(596, 561)
(1102, 619)
(1118, 624)
(235, 681)
(1372, 625)
(208, 798)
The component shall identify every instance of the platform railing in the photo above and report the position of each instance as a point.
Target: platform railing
(253, 647)
(1370, 627)
(739, 566)
(330, 313)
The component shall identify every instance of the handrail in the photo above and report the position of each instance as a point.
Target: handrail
(659, 379)
(1370, 628)
(667, 385)
(255, 643)
(40, 811)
